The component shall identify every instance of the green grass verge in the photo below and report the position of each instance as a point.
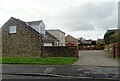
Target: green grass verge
(118, 58)
(37, 60)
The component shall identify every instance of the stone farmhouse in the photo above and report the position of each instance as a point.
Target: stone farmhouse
(23, 38)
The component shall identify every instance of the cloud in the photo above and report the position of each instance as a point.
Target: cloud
(78, 25)
(88, 34)
(110, 22)
(89, 16)
(74, 16)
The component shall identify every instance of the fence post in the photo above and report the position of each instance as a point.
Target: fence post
(113, 50)
(118, 49)
(77, 50)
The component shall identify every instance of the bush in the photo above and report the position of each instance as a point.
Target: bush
(99, 46)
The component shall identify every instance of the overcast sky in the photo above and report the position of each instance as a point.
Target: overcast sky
(80, 18)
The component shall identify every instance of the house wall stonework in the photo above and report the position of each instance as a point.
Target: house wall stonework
(65, 51)
(23, 42)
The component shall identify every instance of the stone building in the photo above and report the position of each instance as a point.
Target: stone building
(19, 38)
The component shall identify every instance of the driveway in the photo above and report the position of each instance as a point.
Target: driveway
(96, 57)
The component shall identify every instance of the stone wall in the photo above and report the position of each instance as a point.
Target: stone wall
(108, 47)
(66, 51)
(23, 42)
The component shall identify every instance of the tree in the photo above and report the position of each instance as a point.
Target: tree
(108, 38)
(93, 43)
(99, 45)
(115, 37)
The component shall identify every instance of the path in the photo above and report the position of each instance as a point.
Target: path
(96, 57)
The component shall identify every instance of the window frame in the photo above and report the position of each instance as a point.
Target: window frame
(12, 29)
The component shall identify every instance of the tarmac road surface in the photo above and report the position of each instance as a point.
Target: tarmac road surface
(96, 57)
(58, 71)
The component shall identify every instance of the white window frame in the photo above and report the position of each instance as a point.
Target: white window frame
(12, 29)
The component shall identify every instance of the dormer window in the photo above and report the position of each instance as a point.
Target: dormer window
(12, 29)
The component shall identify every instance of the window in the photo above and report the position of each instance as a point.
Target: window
(42, 30)
(12, 29)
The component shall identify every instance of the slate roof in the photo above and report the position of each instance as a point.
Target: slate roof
(28, 27)
(49, 37)
(71, 36)
(113, 30)
(34, 23)
(56, 30)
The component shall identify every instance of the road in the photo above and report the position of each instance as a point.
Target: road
(96, 57)
(92, 64)
(18, 71)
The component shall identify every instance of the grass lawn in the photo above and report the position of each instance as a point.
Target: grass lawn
(37, 60)
(118, 58)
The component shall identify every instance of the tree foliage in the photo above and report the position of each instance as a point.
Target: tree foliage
(99, 45)
(111, 37)
(93, 42)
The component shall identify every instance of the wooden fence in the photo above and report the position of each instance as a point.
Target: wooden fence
(116, 49)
